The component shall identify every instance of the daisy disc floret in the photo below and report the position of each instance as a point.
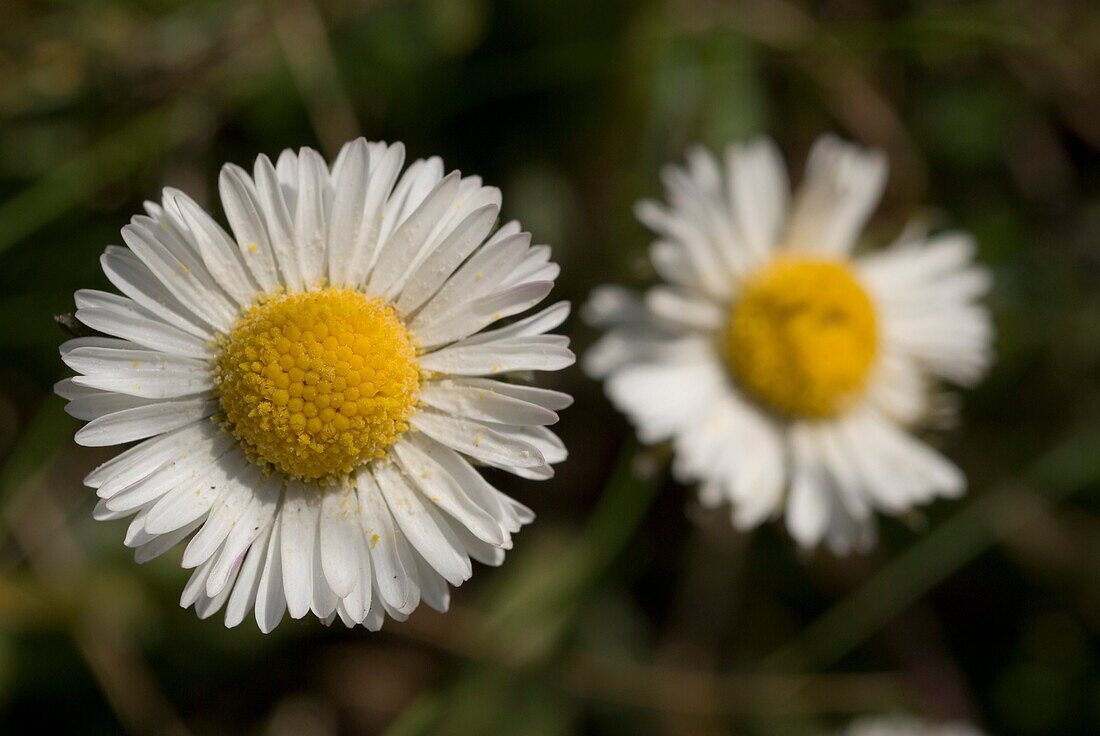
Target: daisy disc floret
(311, 393)
(801, 336)
(316, 384)
(788, 371)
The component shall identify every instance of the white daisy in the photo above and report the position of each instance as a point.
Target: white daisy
(906, 726)
(785, 369)
(310, 392)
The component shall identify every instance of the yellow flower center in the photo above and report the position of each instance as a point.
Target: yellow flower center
(317, 383)
(802, 336)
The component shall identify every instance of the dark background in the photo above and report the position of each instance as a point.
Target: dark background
(617, 613)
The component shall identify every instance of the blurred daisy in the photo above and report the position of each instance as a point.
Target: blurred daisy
(310, 392)
(905, 726)
(784, 369)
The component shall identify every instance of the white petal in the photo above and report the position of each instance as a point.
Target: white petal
(897, 470)
(439, 487)
(245, 213)
(183, 469)
(759, 193)
(841, 187)
(538, 353)
(280, 224)
(609, 305)
(135, 532)
(543, 438)
(270, 600)
(926, 296)
(301, 507)
(287, 170)
(358, 602)
(487, 554)
(243, 597)
(404, 248)
(130, 276)
(808, 509)
(181, 280)
(833, 454)
(433, 588)
(193, 500)
(427, 533)
(77, 343)
(195, 588)
(122, 317)
(376, 615)
(664, 394)
(847, 534)
(66, 389)
(206, 606)
(341, 535)
(477, 440)
(672, 264)
(219, 253)
(144, 421)
(161, 543)
(482, 274)
(350, 180)
(546, 398)
(701, 214)
(100, 512)
(438, 266)
(234, 500)
(899, 388)
(535, 324)
(478, 313)
(535, 266)
(685, 310)
(385, 165)
(245, 528)
(483, 403)
(391, 575)
(324, 600)
(100, 403)
(474, 486)
(309, 219)
(142, 459)
(415, 184)
(736, 453)
(146, 373)
(163, 222)
(715, 278)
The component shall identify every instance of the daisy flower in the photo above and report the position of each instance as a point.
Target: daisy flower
(311, 393)
(906, 726)
(786, 370)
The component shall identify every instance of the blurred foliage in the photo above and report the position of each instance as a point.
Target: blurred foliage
(617, 613)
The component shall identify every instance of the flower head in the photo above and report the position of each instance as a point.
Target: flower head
(785, 369)
(310, 393)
